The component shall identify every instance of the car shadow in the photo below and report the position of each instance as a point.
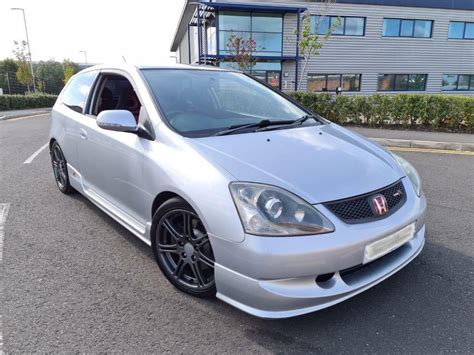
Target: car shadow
(113, 224)
(424, 306)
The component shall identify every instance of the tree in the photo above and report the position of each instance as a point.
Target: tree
(23, 73)
(49, 76)
(69, 69)
(8, 65)
(8, 81)
(243, 51)
(311, 40)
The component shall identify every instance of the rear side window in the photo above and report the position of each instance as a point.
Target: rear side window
(76, 93)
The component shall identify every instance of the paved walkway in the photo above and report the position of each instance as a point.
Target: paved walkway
(414, 135)
(5, 115)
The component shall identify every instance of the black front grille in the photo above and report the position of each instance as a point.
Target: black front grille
(358, 209)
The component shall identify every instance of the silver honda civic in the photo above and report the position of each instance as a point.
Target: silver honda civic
(241, 192)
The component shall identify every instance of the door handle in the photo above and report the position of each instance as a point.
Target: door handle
(83, 133)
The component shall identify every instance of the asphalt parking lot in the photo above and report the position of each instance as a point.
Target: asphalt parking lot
(72, 279)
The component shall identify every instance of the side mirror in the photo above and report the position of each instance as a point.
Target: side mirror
(117, 120)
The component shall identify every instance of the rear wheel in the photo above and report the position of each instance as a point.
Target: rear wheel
(182, 248)
(60, 169)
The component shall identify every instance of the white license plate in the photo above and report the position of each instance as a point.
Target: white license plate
(386, 245)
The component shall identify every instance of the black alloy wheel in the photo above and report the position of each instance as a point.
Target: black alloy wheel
(182, 248)
(60, 169)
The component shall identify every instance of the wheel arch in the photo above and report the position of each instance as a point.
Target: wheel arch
(51, 142)
(161, 198)
(168, 194)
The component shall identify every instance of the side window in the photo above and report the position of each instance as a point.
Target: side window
(116, 93)
(76, 93)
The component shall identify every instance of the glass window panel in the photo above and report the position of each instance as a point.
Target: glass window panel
(386, 82)
(416, 82)
(355, 26)
(334, 81)
(77, 91)
(406, 29)
(268, 54)
(456, 30)
(234, 21)
(267, 23)
(268, 42)
(391, 27)
(260, 75)
(267, 65)
(320, 24)
(260, 66)
(422, 28)
(463, 82)
(316, 82)
(273, 79)
(449, 82)
(337, 25)
(401, 81)
(469, 30)
(312, 27)
(229, 65)
(224, 46)
(351, 82)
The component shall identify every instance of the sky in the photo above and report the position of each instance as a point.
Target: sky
(139, 30)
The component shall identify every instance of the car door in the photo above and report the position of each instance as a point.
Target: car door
(111, 162)
(69, 110)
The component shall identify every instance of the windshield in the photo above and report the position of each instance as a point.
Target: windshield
(200, 103)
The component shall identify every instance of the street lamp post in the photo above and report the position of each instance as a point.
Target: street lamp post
(28, 42)
(85, 55)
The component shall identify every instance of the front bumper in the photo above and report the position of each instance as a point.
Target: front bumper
(275, 277)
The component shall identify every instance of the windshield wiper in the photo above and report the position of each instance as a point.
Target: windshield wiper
(261, 124)
(293, 123)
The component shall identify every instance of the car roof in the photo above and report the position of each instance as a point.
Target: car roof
(134, 67)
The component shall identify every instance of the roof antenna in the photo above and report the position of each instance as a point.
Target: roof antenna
(124, 60)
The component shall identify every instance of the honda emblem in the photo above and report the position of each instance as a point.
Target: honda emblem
(379, 205)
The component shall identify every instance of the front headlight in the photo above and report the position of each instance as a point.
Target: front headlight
(411, 173)
(271, 211)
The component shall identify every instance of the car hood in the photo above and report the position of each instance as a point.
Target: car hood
(318, 163)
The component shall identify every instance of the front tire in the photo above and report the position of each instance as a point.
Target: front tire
(60, 169)
(182, 248)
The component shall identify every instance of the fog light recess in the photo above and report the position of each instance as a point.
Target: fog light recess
(324, 280)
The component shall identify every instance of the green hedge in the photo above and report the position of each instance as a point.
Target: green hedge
(415, 111)
(18, 102)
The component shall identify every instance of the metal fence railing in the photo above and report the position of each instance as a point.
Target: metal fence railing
(47, 84)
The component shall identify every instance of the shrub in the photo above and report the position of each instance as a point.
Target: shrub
(424, 111)
(18, 102)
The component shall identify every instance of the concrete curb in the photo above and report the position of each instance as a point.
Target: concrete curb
(405, 143)
(18, 115)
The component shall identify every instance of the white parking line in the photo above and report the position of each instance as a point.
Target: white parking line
(1, 337)
(35, 154)
(3, 218)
